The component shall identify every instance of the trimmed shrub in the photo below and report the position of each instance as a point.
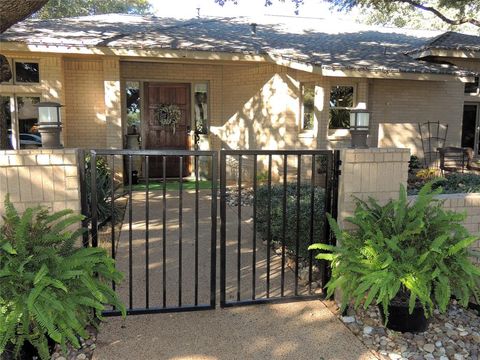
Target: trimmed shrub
(277, 217)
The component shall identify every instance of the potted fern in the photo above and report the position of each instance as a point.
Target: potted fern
(50, 289)
(407, 257)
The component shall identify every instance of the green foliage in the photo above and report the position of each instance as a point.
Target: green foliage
(56, 9)
(103, 187)
(49, 288)
(277, 220)
(453, 183)
(415, 248)
(262, 177)
(444, 13)
(414, 164)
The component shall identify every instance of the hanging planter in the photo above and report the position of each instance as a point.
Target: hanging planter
(167, 115)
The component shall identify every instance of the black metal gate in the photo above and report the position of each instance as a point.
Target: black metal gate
(162, 232)
(168, 250)
(272, 206)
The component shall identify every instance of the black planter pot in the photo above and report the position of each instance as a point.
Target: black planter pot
(399, 319)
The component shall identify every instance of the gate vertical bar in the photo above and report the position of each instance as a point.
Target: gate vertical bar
(269, 221)
(93, 198)
(180, 229)
(239, 227)
(297, 205)
(223, 228)
(196, 230)
(130, 239)
(328, 209)
(112, 211)
(213, 247)
(164, 232)
(83, 196)
(284, 225)
(312, 210)
(147, 232)
(254, 237)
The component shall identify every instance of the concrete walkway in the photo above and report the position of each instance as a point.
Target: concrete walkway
(301, 330)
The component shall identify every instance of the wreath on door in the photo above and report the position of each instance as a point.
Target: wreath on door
(167, 115)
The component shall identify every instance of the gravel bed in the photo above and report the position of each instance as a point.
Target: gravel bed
(454, 335)
(84, 353)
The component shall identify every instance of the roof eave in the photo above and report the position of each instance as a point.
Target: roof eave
(455, 53)
(207, 55)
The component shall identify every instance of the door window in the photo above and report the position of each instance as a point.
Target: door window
(470, 133)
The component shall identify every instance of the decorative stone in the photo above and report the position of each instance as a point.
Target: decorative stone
(348, 319)
(429, 348)
(367, 330)
(81, 356)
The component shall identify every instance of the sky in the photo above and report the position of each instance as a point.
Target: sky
(188, 8)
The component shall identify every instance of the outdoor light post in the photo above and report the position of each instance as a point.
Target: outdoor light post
(359, 128)
(49, 124)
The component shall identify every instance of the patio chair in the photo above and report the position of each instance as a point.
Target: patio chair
(453, 159)
(471, 164)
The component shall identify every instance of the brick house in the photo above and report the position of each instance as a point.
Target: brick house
(275, 82)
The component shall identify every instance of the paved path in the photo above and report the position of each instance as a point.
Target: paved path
(302, 330)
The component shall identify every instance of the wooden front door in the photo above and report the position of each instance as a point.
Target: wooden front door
(165, 138)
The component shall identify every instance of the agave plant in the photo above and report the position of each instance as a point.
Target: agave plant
(415, 248)
(50, 289)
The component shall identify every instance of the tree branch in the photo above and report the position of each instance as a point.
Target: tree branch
(437, 13)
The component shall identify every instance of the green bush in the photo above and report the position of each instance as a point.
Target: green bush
(451, 184)
(419, 249)
(48, 287)
(291, 215)
(104, 189)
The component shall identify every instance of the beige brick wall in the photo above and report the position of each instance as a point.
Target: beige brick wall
(85, 123)
(398, 106)
(254, 105)
(373, 172)
(40, 177)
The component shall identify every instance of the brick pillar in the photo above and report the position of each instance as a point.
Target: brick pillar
(113, 107)
(113, 111)
(374, 172)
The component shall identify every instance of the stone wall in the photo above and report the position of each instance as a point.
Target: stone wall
(40, 177)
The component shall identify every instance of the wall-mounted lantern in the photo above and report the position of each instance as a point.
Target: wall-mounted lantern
(49, 124)
(359, 128)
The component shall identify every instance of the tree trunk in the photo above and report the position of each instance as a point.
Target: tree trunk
(13, 11)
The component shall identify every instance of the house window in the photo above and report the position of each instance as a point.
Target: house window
(472, 87)
(341, 101)
(22, 121)
(308, 106)
(27, 72)
(200, 98)
(133, 104)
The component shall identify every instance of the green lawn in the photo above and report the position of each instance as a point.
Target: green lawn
(173, 185)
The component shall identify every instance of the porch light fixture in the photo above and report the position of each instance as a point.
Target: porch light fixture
(49, 124)
(359, 128)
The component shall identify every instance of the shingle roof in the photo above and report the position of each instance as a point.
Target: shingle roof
(327, 43)
(452, 40)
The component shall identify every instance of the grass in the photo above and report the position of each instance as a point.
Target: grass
(173, 185)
